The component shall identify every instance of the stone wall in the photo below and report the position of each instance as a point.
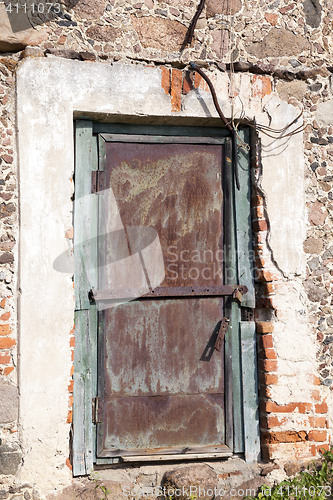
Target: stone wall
(285, 48)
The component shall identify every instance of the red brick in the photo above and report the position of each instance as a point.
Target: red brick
(8, 370)
(200, 82)
(70, 417)
(68, 463)
(304, 407)
(316, 395)
(70, 402)
(260, 225)
(317, 422)
(176, 90)
(317, 436)
(259, 262)
(268, 365)
(257, 201)
(284, 437)
(3, 303)
(313, 450)
(321, 408)
(266, 341)
(264, 327)
(322, 447)
(267, 354)
(5, 316)
(265, 391)
(263, 422)
(269, 288)
(6, 342)
(72, 342)
(4, 360)
(258, 212)
(273, 421)
(271, 407)
(5, 330)
(188, 82)
(71, 386)
(261, 85)
(72, 370)
(72, 355)
(268, 378)
(314, 379)
(166, 80)
(265, 303)
(266, 275)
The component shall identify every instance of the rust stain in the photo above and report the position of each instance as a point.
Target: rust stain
(261, 85)
(175, 189)
(176, 90)
(166, 80)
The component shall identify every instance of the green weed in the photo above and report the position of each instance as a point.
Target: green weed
(313, 484)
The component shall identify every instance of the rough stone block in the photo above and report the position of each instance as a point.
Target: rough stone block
(278, 43)
(16, 36)
(312, 12)
(227, 8)
(159, 33)
(8, 403)
(10, 459)
(86, 9)
(195, 476)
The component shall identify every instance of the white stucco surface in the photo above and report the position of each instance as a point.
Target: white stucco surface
(50, 91)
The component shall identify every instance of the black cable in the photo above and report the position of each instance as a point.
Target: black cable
(223, 118)
(190, 32)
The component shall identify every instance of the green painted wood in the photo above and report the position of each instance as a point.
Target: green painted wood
(79, 463)
(85, 250)
(250, 391)
(232, 311)
(82, 209)
(247, 329)
(243, 223)
(82, 440)
(157, 139)
(122, 128)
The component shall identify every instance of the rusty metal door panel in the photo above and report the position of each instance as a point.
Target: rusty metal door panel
(163, 347)
(163, 424)
(177, 190)
(161, 382)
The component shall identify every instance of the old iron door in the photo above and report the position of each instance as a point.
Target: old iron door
(160, 380)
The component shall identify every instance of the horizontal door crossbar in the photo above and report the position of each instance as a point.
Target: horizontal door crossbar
(179, 291)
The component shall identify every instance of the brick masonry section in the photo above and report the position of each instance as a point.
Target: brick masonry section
(278, 421)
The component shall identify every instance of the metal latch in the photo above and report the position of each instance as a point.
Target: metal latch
(97, 181)
(97, 410)
(220, 337)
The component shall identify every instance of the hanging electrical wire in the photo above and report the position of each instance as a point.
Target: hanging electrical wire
(193, 24)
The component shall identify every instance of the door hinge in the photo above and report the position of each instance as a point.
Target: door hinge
(97, 181)
(97, 410)
(220, 336)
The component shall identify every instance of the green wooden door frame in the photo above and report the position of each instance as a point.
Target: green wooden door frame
(242, 421)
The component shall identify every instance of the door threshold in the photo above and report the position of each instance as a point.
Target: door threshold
(226, 453)
(188, 456)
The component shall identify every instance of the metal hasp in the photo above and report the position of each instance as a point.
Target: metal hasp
(184, 291)
(220, 337)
